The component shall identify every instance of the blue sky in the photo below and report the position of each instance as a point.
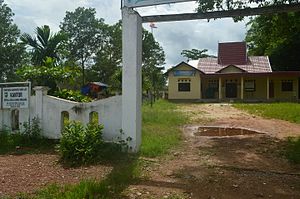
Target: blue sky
(173, 36)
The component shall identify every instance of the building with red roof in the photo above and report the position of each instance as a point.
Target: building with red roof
(233, 75)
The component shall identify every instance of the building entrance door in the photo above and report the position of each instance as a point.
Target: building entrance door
(231, 90)
(271, 89)
(299, 88)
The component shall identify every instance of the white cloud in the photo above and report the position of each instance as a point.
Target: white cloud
(173, 36)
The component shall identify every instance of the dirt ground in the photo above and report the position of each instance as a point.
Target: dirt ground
(244, 166)
(248, 166)
(30, 172)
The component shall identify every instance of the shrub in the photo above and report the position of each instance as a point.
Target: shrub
(293, 150)
(84, 144)
(72, 95)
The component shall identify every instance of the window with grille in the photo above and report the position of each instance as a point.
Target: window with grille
(287, 85)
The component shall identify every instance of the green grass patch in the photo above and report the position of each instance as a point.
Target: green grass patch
(293, 150)
(20, 143)
(284, 111)
(160, 131)
(124, 173)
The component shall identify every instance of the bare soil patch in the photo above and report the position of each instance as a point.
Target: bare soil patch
(242, 166)
(28, 173)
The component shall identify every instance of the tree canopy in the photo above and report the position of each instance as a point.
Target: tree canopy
(85, 36)
(213, 5)
(195, 54)
(277, 36)
(11, 52)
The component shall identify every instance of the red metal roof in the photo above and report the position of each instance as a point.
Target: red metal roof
(255, 64)
(234, 53)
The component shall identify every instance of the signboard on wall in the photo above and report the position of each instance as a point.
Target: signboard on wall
(184, 73)
(141, 3)
(15, 97)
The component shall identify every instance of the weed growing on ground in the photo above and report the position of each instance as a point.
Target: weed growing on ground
(29, 140)
(293, 150)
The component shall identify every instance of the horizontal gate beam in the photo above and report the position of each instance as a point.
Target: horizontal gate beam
(224, 14)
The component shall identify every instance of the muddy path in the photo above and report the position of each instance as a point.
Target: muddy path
(247, 166)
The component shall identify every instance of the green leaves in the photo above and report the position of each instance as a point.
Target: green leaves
(43, 75)
(277, 36)
(11, 51)
(44, 45)
(72, 95)
(195, 54)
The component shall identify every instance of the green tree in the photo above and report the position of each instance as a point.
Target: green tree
(11, 52)
(153, 59)
(277, 36)
(85, 36)
(213, 5)
(108, 60)
(109, 56)
(195, 54)
(44, 45)
(49, 74)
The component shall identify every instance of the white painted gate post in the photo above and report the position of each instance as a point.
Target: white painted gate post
(132, 78)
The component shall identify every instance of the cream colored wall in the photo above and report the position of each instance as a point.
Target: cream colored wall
(260, 92)
(231, 69)
(285, 95)
(173, 85)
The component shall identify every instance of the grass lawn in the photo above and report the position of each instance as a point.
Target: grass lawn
(161, 130)
(160, 133)
(284, 111)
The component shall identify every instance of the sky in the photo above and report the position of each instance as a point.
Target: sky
(172, 36)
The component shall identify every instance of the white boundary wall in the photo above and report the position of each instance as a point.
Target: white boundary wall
(49, 111)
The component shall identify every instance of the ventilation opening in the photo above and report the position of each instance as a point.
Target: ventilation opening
(65, 118)
(94, 117)
(15, 120)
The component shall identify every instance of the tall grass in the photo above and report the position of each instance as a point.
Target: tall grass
(284, 111)
(161, 128)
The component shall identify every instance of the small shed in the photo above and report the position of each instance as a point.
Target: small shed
(94, 89)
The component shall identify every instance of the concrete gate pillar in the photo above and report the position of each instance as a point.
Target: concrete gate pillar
(40, 91)
(132, 78)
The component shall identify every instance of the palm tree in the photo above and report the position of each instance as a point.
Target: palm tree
(44, 45)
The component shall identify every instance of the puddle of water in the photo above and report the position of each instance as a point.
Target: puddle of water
(222, 131)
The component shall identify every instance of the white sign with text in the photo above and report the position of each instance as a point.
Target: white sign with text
(15, 97)
(141, 3)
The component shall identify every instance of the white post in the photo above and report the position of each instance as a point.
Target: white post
(242, 88)
(132, 78)
(40, 91)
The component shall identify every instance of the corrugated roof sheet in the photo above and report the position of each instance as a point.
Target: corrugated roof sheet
(255, 64)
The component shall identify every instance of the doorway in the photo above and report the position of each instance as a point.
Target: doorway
(299, 88)
(271, 89)
(231, 90)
